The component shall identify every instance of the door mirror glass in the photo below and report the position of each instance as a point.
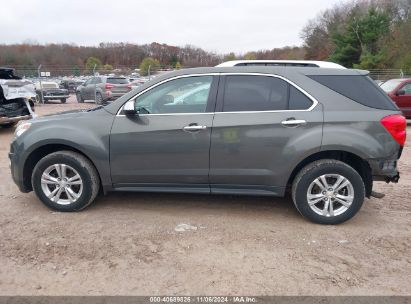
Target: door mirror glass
(400, 92)
(129, 108)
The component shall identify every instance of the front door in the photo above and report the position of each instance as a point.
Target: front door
(167, 144)
(263, 125)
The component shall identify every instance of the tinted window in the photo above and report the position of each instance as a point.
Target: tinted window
(254, 93)
(358, 88)
(298, 101)
(407, 89)
(117, 80)
(183, 95)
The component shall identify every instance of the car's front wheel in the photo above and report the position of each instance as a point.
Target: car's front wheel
(328, 192)
(63, 100)
(79, 97)
(65, 181)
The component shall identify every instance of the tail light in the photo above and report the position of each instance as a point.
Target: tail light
(109, 86)
(396, 125)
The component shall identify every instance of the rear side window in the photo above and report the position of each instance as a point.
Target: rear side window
(262, 93)
(117, 80)
(358, 88)
(298, 101)
(254, 93)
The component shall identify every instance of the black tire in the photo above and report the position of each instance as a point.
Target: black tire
(38, 98)
(86, 170)
(99, 99)
(316, 169)
(63, 100)
(8, 125)
(79, 98)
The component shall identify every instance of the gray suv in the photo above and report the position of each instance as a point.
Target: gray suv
(323, 135)
(103, 88)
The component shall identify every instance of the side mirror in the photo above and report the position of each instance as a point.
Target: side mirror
(129, 108)
(400, 92)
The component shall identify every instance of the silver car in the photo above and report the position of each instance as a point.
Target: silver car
(103, 89)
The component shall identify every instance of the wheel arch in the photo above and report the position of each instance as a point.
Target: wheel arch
(40, 152)
(358, 163)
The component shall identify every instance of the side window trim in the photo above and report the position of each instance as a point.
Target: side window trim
(221, 89)
(219, 93)
(211, 102)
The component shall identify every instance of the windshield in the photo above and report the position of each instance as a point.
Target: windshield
(390, 85)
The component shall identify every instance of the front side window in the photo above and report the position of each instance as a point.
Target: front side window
(254, 93)
(182, 95)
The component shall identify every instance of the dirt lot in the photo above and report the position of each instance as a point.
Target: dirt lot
(127, 244)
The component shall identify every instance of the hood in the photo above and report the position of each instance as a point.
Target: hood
(69, 114)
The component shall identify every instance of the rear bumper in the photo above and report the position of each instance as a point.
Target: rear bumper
(56, 96)
(384, 170)
(6, 120)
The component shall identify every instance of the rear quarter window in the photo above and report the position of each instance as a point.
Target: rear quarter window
(357, 88)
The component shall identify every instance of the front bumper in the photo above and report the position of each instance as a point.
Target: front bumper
(56, 96)
(15, 173)
(6, 120)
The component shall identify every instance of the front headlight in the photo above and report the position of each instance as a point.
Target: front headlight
(21, 128)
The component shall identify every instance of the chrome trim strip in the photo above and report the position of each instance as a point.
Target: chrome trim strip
(314, 100)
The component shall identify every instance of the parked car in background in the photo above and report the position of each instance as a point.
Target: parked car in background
(399, 91)
(70, 85)
(103, 88)
(16, 98)
(51, 91)
(323, 134)
(294, 63)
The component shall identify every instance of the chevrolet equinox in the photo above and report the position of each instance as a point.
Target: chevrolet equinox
(324, 135)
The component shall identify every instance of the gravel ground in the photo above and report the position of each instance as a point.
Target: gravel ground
(127, 243)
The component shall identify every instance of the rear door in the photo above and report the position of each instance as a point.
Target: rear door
(263, 126)
(167, 145)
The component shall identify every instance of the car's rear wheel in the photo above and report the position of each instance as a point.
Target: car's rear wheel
(65, 181)
(99, 99)
(328, 192)
(63, 100)
(79, 97)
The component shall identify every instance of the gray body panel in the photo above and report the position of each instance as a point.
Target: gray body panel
(238, 152)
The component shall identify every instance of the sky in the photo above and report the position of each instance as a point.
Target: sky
(220, 26)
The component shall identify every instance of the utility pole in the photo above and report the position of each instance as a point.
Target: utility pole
(95, 85)
(41, 86)
(149, 72)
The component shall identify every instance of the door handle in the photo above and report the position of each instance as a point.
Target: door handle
(194, 128)
(293, 122)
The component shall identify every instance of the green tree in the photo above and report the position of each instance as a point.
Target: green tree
(230, 56)
(148, 63)
(76, 70)
(107, 67)
(91, 62)
(250, 56)
(178, 65)
(358, 45)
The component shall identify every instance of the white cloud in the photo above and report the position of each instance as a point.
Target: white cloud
(215, 25)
